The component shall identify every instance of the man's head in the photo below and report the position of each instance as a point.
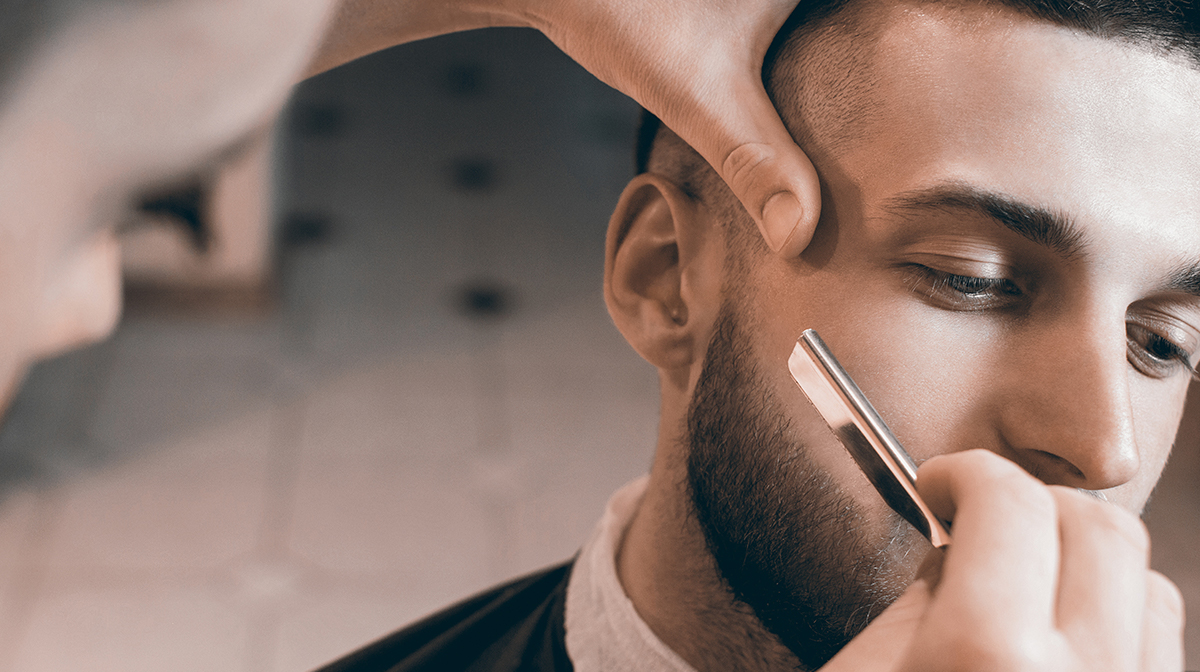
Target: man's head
(1007, 259)
(103, 102)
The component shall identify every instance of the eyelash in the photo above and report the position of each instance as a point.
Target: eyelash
(966, 292)
(1144, 359)
(1149, 352)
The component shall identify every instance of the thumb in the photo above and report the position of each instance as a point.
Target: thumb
(753, 152)
(885, 641)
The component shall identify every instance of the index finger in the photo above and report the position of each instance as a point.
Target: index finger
(1002, 568)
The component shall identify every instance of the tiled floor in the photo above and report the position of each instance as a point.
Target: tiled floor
(263, 493)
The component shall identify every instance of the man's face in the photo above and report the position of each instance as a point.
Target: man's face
(1006, 260)
(120, 98)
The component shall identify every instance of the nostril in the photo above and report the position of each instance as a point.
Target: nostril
(1060, 463)
(1050, 468)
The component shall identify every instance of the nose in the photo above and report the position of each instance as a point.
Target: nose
(1066, 413)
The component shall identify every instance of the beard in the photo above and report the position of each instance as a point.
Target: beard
(787, 541)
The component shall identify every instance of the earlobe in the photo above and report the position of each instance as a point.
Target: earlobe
(82, 298)
(656, 238)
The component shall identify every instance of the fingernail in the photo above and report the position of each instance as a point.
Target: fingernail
(781, 218)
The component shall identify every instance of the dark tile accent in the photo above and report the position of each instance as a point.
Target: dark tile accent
(473, 174)
(485, 299)
(305, 229)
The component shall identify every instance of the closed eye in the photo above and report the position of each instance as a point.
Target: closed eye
(1155, 355)
(954, 291)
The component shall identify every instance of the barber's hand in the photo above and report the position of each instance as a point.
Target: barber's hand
(1037, 578)
(697, 66)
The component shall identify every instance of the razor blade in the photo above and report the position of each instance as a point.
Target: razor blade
(864, 434)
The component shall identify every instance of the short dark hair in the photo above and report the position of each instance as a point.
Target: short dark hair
(1163, 26)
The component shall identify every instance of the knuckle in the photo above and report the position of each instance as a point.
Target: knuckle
(999, 480)
(1120, 525)
(990, 465)
(1113, 523)
(1127, 527)
(985, 650)
(1165, 598)
(1031, 496)
(746, 168)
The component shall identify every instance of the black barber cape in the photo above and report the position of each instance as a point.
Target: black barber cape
(515, 627)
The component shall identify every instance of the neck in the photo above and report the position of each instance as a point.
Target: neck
(665, 567)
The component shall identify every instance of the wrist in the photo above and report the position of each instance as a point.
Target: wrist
(360, 27)
(429, 18)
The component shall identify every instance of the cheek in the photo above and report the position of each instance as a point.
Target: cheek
(907, 358)
(921, 368)
(928, 373)
(1157, 409)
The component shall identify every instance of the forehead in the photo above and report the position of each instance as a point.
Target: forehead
(1097, 129)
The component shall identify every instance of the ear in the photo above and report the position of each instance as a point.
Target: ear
(662, 274)
(82, 298)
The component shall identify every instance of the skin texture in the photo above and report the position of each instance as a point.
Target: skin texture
(973, 112)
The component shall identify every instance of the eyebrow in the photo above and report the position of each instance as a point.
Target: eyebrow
(1186, 280)
(1044, 227)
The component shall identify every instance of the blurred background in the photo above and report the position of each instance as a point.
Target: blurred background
(388, 381)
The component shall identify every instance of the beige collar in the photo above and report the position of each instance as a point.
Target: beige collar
(604, 631)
